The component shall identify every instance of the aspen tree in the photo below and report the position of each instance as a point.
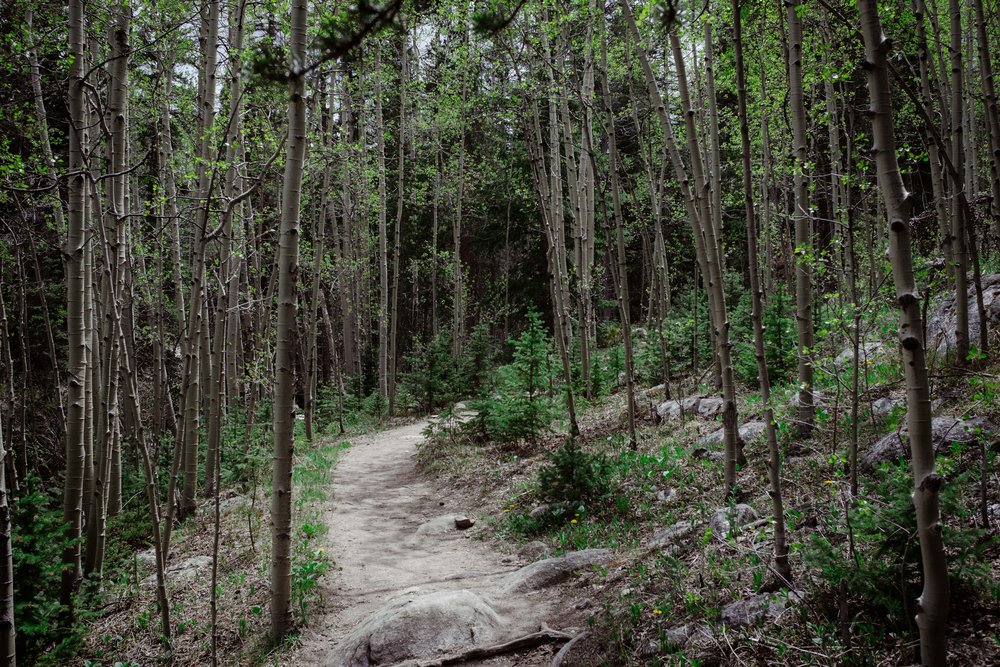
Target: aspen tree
(781, 565)
(802, 218)
(284, 383)
(78, 183)
(932, 605)
(8, 648)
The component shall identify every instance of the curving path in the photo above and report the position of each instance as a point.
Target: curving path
(380, 500)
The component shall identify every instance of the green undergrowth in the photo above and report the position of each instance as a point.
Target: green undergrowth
(856, 563)
(125, 630)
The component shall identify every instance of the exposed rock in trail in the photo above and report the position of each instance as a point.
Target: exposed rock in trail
(944, 432)
(758, 607)
(419, 627)
(725, 519)
(551, 571)
(941, 324)
(534, 550)
(464, 522)
(866, 351)
(748, 432)
(706, 407)
(447, 523)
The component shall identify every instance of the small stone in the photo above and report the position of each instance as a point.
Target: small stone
(651, 648)
(540, 511)
(665, 496)
(674, 532)
(724, 520)
(674, 639)
(463, 522)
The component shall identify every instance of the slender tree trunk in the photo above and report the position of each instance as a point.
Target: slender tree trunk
(959, 222)
(932, 605)
(992, 112)
(8, 649)
(383, 236)
(621, 274)
(781, 565)
(802, 218)
(284, 386)
(404, 73)
(76, 329)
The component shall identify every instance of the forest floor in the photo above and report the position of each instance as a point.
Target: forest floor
(381, 499)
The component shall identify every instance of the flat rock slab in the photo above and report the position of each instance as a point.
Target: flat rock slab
(551, 571)
(941, 324)
(420, 627)
(748, 432)
(944, 431)
(757, 608)
(865, 352)
(704, 407)
(666, 536)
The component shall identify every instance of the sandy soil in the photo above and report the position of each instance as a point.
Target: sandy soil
(380, 499)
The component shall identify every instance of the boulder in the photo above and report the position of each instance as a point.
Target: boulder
(674, 409)
(883, 406)
(665, 536)
(420, 627)
(551, 571)
(748, 432)
(944, 431)
(819, 399)
(941, 324)
(867, 351)
(725, 519)
(182, 571)
(464, 522)
(710, 407)
(757, 608)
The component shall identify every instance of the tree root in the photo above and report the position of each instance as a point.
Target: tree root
(563, 653)
(543, 636)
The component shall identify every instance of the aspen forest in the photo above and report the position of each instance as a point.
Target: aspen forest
(537, 333)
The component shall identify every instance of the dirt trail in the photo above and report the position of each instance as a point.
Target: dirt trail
(380, 499)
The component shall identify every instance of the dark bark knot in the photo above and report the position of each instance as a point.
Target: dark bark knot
(932, 483)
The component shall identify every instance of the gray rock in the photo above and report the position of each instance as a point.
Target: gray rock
(748, 432)
(463, 522)
(674, 409)
(944, 431)
(666, 496)
(651, 648)
(534, 550)
(540, 511)
(146, 559)
(675, 639)
(441, 525)
(883, 406)
(551, 571)
(867, 351)
(710, 407)
(724, 519)
(818, 399)
(182, 571)
(941, 324)
(757, 608)
(667, 535)
(420, 627)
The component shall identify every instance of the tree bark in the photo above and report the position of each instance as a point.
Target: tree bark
(284, 385)
(932, 614)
